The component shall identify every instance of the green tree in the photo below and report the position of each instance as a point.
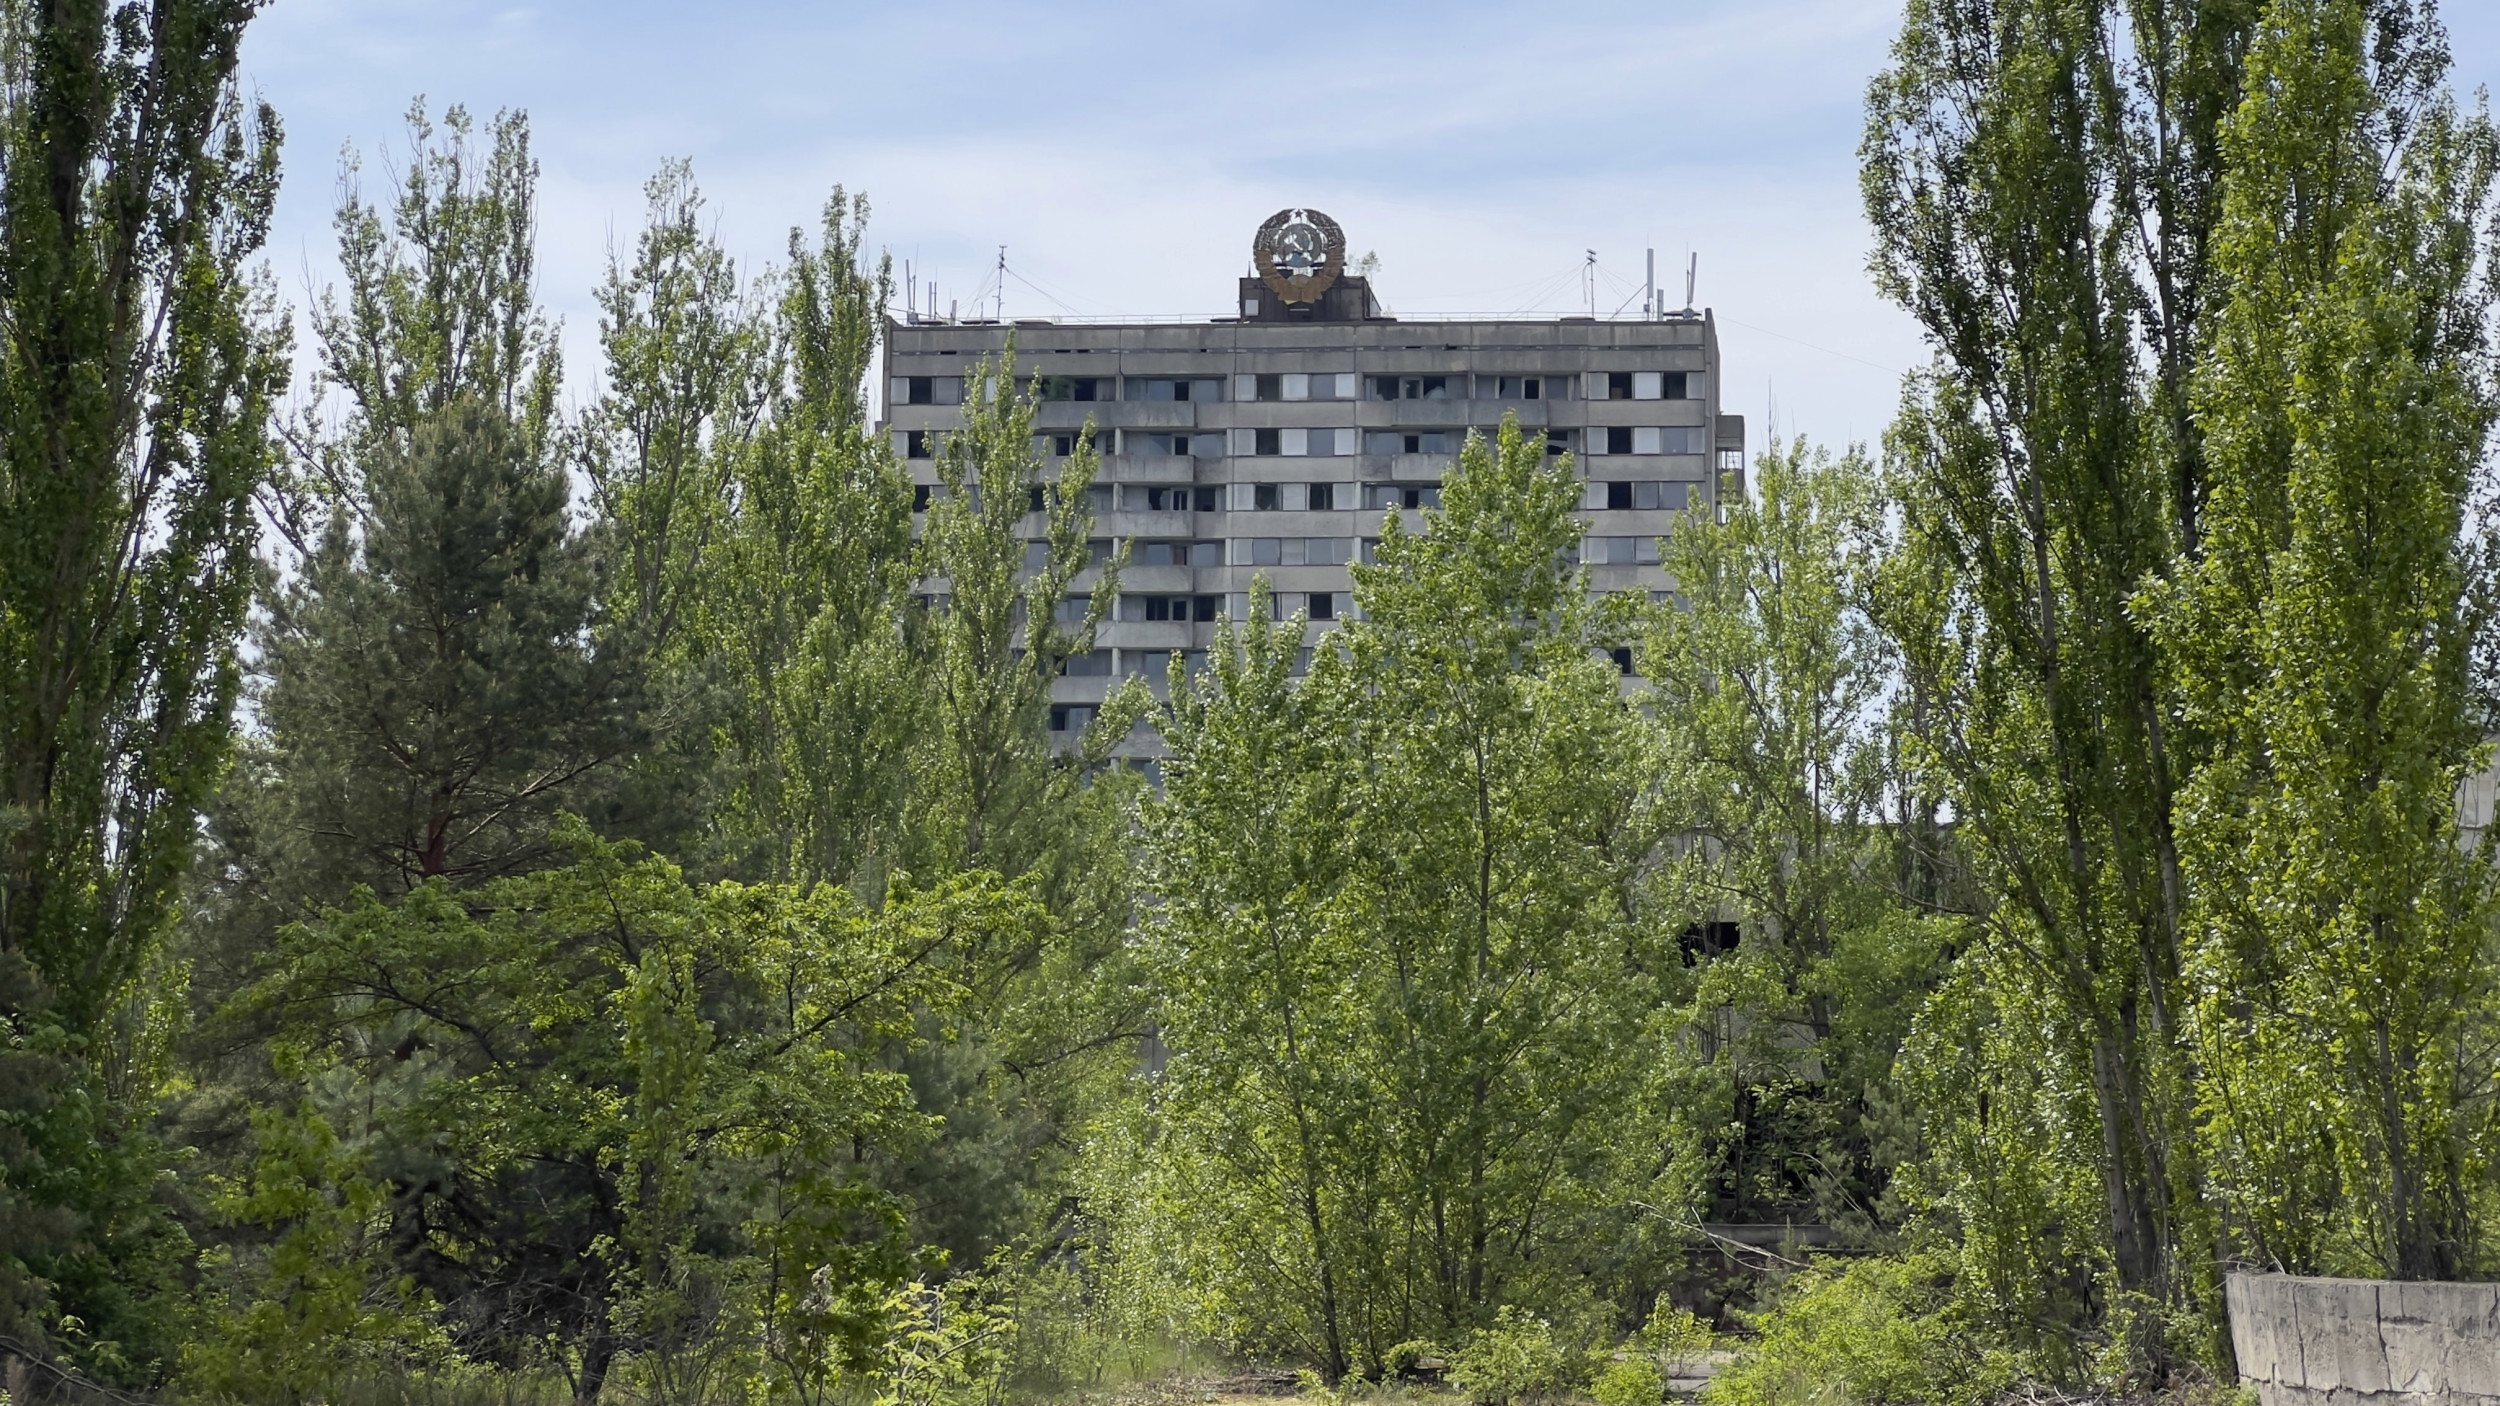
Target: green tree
(807, 606)
(432, 699)
(1769, 687)
(1406, 969)
(2341, 939)
(135, 385)
(639, 1106)
(2041, 178)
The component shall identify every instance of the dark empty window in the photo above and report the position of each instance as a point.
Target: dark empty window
(1267, 442)
(923, 390)
(916, 444)
(920, 494)
(1619, 496)
(1320, 497)
(1205, 607)
(1623, 660)
(1618, 439)
(1034, 499)
(1063, 445)
(1522, 388)
(1271, 388)
(1323, 605)
(1263, 496)
(1073, 388)
(1618, 385)
(1558, 441)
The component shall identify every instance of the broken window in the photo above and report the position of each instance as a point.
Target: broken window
(917, 444)
(921, 493)
(1266, 497)
(1410, 388)
(1521, 387)
(1267, 442)
(1320, 496)
(1075, 387)
(1323, 605)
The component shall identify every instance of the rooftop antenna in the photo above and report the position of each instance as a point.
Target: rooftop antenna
(1588, 282)
(1692, 271)
(1649, 290)
(911, 295)
(1001, 314)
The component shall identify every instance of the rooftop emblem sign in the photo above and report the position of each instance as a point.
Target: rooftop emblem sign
(1299, 253)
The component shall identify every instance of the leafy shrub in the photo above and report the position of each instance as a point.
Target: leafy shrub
(1632, 1379)
(1880, 1332)
(1515, 1360)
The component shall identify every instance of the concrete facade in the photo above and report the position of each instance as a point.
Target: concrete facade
(1274, 443)
(2366, 1342)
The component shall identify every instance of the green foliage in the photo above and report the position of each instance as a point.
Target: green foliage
(2041, 177)
(1769, 683)
(1878, 1332)
(1404, 967)
(429, 684)
(645, 1097)
(1632, 1379)
(2341, 939)
(300, 1300)
(1513, 1359)
(135, 389)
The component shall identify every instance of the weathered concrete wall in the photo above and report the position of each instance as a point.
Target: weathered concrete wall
(2366, 1342)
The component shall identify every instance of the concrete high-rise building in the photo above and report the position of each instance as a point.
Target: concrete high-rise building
(1271, 442)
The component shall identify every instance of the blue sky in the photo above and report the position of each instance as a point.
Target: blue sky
(1125, 153)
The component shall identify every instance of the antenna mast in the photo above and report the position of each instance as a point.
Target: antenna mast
(1001, 313)
(1692, 271)
(1649, 290)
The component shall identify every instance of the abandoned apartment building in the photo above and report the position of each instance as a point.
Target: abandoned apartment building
(1271, 443)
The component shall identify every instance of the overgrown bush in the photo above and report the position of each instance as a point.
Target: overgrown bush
(1515, 1360)
(1879, 1332)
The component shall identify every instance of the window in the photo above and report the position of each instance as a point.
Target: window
(1558, 441)
(1160, 608)
(1521, 387)
(1036, 555)
(1408, 442)
(1266, 497)
(1270, 387)
(916, 444)
(1072, 717)
(1267, 442)
(1157, 498)
(1623, 659)
(1402, 495)
(1093, 664)
(1076, 387)
(1646, 385)
(926, 390)
(1063, 445)
(1618, 385)
(1323, 605)
(1173, 388)
(1321, 496)
(1731, 461)
(1178, 553)
(1410, 388)
(1618, 439)
(1645, 497)
(920, 495)
(1620, 551)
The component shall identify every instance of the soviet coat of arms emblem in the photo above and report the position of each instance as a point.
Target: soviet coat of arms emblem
(1299, 253)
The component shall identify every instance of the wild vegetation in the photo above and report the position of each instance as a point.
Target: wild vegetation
(517, 896)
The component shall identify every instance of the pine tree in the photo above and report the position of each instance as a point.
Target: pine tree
(433, 696)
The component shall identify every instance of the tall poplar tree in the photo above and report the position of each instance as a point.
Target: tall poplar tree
(2341, 939)
(2041, 177)
(135, 384)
